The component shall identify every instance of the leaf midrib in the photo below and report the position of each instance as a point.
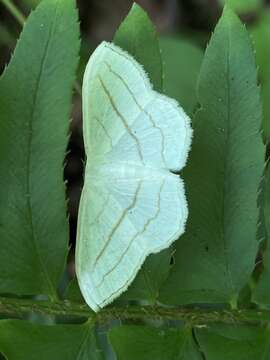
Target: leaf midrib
(50, 287)
(227, 264)
(84, 340)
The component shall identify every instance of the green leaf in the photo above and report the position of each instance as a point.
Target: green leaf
(234, 343)
(150, 278)
(181, 66)
(35, 99)
(261, 35)
(137, 35)
(146, 343)
(31, 3)
(243, 6)
(216, 255)
(261, 293)
(73, 292)
(21, 340)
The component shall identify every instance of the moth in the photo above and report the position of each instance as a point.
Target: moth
(133, 203)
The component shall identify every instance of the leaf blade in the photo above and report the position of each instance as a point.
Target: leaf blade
(181, 66)
(243, 6)
(241, 343)
(146, 343)
(261, 292)
(222, 176)
(35, 103)
(23, 340)
(137, 35)
(260, 34)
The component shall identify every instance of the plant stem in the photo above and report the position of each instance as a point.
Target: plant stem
(14, 11)
(194, 316)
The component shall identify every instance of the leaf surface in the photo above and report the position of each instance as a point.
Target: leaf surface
(73, 292)
(261, 293)
(137, 35)
(150, 278)
(234, 343)
(260, 34)
(215, 257)
(146, 343)
(35, 98)
(21, 340)
(181, 67)
(243, 6)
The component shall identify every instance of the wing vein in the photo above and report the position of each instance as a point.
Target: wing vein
(104, 129)
(141, 108)
(118, 222)
(100, 213)
(124, 121)
(148, 222)
(127, 57)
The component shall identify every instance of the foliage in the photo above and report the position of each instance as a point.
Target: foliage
(178, 56)
(242, 343)
(153, 343)
(211, 269)
(222, 176)
(243, 6)
(35, 96)
(25, 341)
(260, 33)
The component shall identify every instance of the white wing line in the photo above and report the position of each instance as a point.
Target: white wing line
(108, 300)
(128, 57)
(125, 123)
(92, 223)
(104, 129)
(118, 222)
(141, 108)
(148, 222)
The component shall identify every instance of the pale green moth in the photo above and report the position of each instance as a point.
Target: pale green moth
(132, 204)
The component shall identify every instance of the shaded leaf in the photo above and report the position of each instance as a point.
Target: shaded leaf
(243, 6)
(216, 255)
(261, 293)
(73, 292)
(31, 3)
(21, 340)
(137, 35)
(150, 278)
(35, 97)
(261, 36)
(181, 66)
(234, 343)
(146, 343)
